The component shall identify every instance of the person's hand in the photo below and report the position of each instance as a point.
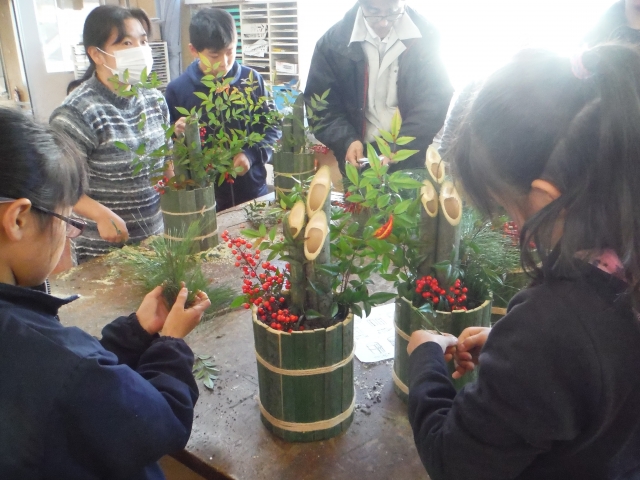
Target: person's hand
(181, 321)
(112, 228)
(470, 342)
(354, 153)
(386, 161)
(241, 160)
(447, 342)
(180, 126)
(153, 311)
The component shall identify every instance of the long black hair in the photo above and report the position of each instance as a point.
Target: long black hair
(534, 119)
(38, 163)
(100, 24)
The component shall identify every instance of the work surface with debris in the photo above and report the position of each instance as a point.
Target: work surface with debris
(228, 438)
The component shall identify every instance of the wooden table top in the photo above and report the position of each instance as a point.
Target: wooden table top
(228, 438)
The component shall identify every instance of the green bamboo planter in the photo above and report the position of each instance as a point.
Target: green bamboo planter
(180, 208)
(291, 168)
(305, 380)
(514, 280)
(408, 321)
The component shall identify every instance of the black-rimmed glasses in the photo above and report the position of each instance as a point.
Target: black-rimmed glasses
(391, 18)
(75, 226)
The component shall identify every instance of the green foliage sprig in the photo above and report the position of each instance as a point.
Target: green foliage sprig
(169, 263)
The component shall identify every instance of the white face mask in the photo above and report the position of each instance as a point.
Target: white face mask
(135, 60)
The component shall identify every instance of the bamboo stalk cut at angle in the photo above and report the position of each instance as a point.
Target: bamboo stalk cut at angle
(434, 165)
(319, 202)
(293, 224)
(428, 228)
(317, 250)
(193, 144)
(449, 219)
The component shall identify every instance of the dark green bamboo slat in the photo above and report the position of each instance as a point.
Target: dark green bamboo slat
(305, 398)
(408, 321)
(181, 208)
(289, 167)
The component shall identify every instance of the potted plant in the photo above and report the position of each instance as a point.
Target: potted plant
(294, 158)
(203, 157)
(421, 250)
(303, 312)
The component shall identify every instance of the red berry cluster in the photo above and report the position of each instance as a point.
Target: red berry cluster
(348, 206)
(429, 289)
(510, 230)
(262, 288)
(161, 185)
(321, 149)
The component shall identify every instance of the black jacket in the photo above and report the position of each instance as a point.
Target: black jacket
(181, 93)
(75, 408)
(558, 393)
(424, 90)
(612, 26)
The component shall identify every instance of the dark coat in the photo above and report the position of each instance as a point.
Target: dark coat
(75, 408)
(613, 26)
(181, 93)
(558, 392)
(424, 90)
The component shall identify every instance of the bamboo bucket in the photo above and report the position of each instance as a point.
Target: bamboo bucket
(517, 280)
(305, 380)
(407, 321)
(180, 208)
(289, 169)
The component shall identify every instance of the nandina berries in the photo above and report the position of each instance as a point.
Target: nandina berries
(263, 289)
(455, 299)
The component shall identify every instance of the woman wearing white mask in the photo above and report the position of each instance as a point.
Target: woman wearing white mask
(120, 205)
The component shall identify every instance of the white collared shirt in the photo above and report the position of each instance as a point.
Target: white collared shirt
(382, 59)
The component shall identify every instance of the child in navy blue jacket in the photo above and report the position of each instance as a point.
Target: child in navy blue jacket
(557, 144)
(73, 407)
(212, 34)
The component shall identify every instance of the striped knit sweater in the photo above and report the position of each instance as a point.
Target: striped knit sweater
(95, 118)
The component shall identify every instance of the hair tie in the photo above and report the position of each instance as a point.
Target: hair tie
(578, 68)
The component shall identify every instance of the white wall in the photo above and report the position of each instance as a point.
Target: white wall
(477, 35)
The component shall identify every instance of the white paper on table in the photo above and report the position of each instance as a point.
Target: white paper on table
(375, 334)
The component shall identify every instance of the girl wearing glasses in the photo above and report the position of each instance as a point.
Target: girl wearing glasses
(120, 204)
(72, 406)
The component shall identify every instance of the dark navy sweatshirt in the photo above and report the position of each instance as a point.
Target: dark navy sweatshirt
(557, 396)
(75, 408)
(181, 93)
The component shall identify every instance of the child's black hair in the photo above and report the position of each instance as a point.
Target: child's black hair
(534, 119)
(213, 29)
(100, 24)
(38, 163)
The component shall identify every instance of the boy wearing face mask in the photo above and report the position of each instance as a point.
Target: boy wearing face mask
(212, 34)
(119, 205)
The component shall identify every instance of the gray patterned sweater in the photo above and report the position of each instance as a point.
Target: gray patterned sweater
(95, 118)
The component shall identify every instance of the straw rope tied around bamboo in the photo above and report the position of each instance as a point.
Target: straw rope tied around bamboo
(204, 237)
(309, 427)
(291, 175)
(202, 211)
(399, 383)
(307, 372)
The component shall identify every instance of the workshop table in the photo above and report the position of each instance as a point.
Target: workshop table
(228, 439)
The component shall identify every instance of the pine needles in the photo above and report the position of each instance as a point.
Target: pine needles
(169, 263)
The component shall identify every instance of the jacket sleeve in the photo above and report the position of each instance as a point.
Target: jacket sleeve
(424, 96)
(172, 103)
(126, 339)
(125, 419)
(262, 151)
(332, 127)
(520, 405)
